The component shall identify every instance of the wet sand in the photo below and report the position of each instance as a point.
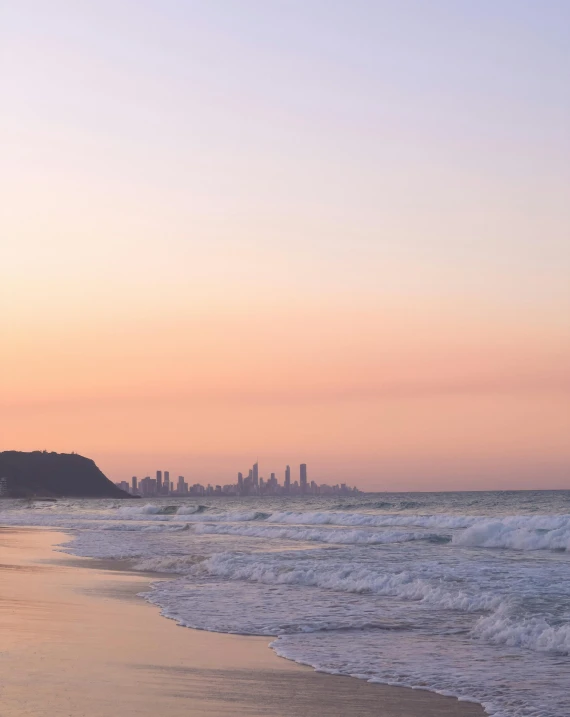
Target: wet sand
(76, 640)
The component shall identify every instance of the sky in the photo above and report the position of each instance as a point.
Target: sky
(301, 230)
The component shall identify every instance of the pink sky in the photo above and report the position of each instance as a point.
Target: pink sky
(233, 234)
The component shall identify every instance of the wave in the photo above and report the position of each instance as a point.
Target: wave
(372, 505)
(150, 509)
(168, 564)
(518, 534)
(230, 517)
(370, 520)
(196, 513)
(532, 633)
(354, 580)
(379, 505)
(336, 537)
(202, 513)
(129, 527)
(522, 532)
(511, 532)
(192, 509)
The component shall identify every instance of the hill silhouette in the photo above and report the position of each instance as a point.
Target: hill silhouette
(44, 474)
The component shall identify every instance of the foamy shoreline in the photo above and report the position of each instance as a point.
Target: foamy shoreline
(94, 647)
(413, 599)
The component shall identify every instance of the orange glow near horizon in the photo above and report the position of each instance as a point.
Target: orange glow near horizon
(384, 398)
(323, 248)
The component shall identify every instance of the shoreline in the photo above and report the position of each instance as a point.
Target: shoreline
(90, 645)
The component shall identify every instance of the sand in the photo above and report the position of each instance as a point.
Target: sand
(76, 640)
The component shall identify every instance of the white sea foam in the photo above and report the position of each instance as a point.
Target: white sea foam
(532, 633)
(506, 685)
(403, 584)
(173, 565)
(229, 517)
(301, 533)
(372, 520)
(517, 534)
(191, 509)
(448, 601)
(139, 510)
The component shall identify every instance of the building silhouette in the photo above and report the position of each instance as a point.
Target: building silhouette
(251, 485)
(303, 477)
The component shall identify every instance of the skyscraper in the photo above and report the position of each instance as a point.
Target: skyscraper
(287, 484)
(159, 482)
(303, 478)
(255, 475)
(166, 483)
(134, 486)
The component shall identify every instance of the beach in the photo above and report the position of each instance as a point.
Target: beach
(75, 639)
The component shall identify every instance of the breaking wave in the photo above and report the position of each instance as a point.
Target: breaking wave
(338, 537)
(531, 633)
(353, 580)
(516, 533)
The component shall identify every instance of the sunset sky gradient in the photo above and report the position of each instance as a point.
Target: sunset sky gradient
(305, 230)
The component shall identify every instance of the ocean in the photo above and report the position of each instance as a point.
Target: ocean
(465, 594)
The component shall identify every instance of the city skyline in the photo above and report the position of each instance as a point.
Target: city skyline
(252, 485)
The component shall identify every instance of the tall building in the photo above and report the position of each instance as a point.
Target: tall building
(255, 475)
(303, 477)
(134, 486)
(146, 487)
(166, 483)
(287, 484)
(240, 482)
(248, 484)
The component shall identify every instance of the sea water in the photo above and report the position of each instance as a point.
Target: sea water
(465, 594)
